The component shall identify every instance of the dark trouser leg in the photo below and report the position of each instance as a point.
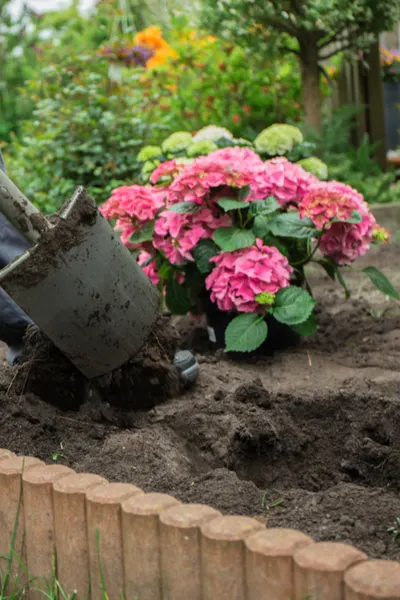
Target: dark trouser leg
(13, 321)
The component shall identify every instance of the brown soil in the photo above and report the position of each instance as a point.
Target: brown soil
(307, 438)
(60, 238)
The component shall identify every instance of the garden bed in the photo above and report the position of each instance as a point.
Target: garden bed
(307, 439)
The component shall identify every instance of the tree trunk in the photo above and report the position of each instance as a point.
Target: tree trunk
(310, 79)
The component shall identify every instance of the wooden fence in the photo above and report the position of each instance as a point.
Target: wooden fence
(152, 547)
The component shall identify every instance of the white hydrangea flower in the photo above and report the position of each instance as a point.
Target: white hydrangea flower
(278, 139)
(314, 165)
(212, 133)
(177, 142)
(201, 148)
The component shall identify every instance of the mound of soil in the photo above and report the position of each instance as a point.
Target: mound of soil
(307, 438)
(149, 378)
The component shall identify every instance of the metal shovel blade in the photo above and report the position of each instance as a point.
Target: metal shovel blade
(84, 290)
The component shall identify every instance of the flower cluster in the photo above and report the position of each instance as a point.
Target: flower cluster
(390, 64)
(278, 139)
(129, 54)
(177, 235)
(132, 207)
(228, 167)
(331, 205)
(147, 49)
(239, 277)
(287, 182)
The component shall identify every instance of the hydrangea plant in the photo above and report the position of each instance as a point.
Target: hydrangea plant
(235, 231)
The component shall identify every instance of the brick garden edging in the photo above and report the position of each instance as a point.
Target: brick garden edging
(153, 547)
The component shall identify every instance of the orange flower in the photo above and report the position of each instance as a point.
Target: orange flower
(161, 56)
(236, 118)
(151, 37)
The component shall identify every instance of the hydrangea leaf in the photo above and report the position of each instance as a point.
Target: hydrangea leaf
(245, 333)
(293, 305)
(230, 239)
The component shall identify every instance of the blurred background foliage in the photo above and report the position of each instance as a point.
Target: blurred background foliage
(80, 97)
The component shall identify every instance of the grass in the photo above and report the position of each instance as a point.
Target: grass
(395, 531)
(16, 587)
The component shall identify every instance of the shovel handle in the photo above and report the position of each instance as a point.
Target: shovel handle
(20, 212)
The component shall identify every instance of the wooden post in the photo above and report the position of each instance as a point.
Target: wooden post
(376, 116)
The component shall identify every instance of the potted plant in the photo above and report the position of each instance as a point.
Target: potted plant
(229, 235)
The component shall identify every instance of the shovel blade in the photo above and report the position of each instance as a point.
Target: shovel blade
(84, 290)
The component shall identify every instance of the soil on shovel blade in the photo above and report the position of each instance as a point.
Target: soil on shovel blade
(307, 438)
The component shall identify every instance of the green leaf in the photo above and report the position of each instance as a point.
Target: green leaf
(184, 208)
(308, 327)
(232, 238)
(202, 253)
(290, 225)
(176, 298)
(143, 235)
(355, 218)
(264, 207)
(293, 305)
(342, 282)
(244, 192)
(228, 204)
(261, 226)
(165, 271)
(381, 282)
(329, 266)
(245, 333)
(270, 240)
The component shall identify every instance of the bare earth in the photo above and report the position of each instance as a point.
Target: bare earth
(308, 438)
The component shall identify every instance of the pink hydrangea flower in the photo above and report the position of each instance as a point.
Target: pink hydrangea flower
(240, 276)
(141, 203)
(177, 234)
(345, 242)
(150, 267)
(327, 200)
(286, 181)
(233, 167)
(126, 229)
(133, 207)
(170, 168)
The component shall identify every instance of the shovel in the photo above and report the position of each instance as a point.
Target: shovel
(78, 282)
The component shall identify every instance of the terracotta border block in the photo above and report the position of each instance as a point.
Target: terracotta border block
(319, 570)
(11, 470)
(180, 550)
(39, 520)
(223, 557)
(373, 580)
(4, 454)
(269, 563)
(141, 543)
(71, 531)
(103, 505)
